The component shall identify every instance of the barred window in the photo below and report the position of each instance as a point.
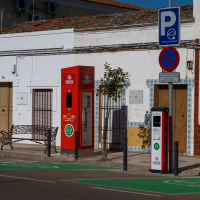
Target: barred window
(42, 108)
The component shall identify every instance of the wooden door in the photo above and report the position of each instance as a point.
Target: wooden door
(180, 117)
(5, 106)
(10, 105)
(161, 96)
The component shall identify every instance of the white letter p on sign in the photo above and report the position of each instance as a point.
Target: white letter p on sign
(165, 24)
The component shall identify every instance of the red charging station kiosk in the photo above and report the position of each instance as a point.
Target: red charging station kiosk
(159, 139)
(77, 110)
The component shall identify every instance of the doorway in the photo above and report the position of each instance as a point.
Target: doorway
(161, 98)
(6, 106)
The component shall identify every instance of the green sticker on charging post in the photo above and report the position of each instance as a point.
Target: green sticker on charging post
(156, 146)
(69, 130)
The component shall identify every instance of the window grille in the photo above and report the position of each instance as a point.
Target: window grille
(42, 109)
(114, 122)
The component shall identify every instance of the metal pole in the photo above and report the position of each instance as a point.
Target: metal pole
(33, 11)
(125, 155)
(76, 146)
(170, 120)
(170, 3)
(170, 127)
(49, 143)
(176, 158)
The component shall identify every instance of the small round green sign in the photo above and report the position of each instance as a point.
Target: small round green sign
(156, 146)
(69, 130)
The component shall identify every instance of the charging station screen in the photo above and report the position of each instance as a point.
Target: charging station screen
(156, 121)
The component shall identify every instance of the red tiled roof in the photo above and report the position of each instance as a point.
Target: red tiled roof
(117, 4)
(91, 24)
(45, 24)
(99, 22)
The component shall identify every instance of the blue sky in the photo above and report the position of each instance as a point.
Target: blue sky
(157, 3)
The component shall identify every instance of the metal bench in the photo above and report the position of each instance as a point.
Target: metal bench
(38, 135)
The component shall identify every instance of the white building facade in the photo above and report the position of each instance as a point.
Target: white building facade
(32, 61)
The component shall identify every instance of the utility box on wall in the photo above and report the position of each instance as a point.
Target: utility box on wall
(77, 110)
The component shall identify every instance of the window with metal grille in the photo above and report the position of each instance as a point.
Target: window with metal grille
(114, 121)
(42, 109)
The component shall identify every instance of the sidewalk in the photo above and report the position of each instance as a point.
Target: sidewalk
(137, 161)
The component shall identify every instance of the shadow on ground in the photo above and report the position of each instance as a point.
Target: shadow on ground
(197, 165)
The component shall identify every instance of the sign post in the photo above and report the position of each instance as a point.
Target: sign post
(169, 34)
(169, 59)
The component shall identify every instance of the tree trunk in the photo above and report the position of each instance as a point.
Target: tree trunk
(104, 152)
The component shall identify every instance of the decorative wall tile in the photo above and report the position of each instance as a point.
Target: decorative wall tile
(190, 83)
(96, 117)
(196, 104)
(150, 84)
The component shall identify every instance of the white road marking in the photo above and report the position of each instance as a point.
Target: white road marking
(28, 179)
(34, 165)
(126, 191)
(72, 181)
(184, 183)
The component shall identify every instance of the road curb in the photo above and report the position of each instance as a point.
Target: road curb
(37, 158)
(62, 159)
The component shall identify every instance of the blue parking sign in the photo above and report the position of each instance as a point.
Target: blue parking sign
(169, 26)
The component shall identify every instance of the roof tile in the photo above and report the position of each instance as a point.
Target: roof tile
(44, 24)
(118, 4)
(91, 24)
(100, 22)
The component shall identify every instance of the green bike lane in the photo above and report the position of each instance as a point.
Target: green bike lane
(51, 166)
(158, 185)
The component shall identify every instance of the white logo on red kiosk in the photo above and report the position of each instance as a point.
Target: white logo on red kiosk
(86, 79)
(69, 77)
(69, 80)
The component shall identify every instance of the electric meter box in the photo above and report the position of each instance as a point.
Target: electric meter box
(77, 110)
(159, 139)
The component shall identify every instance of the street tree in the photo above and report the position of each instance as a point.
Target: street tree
(114, 83)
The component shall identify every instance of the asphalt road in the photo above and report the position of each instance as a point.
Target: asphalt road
(57, 184)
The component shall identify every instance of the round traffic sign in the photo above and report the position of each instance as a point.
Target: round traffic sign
(169, 59)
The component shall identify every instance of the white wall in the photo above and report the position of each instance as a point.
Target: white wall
(196, 14)
(63, 39)
(127, 36)
(141, 65)
(35, 72)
